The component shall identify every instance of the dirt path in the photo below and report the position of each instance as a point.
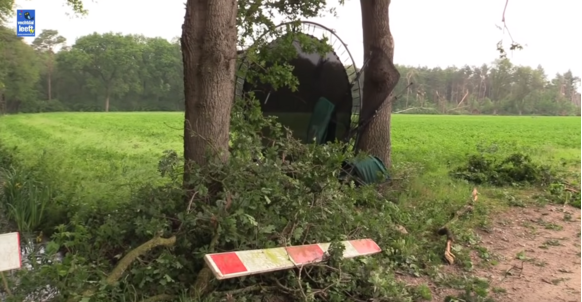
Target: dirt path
(534, 256)
(538, 255)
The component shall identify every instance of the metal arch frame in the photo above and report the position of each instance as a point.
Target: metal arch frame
(356, 89)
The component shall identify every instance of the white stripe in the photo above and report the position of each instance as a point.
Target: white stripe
(9, 252)
(349, 251)
(267, 260)
(213, 267)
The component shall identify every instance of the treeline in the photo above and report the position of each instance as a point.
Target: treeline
(100, 72)
(499, 88)
(114, 72)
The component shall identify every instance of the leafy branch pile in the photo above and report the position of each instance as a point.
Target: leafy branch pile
(258, 199)
(519, 169)
(515, 169)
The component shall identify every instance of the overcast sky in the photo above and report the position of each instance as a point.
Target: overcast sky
(426, 32)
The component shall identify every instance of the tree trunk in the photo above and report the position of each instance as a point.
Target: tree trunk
(2, 103)
(49, 86)
(208, 45)
(49, 74)
(381, 78)
(107, 97)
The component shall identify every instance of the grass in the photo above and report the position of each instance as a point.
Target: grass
(102, 155)
(99, 157)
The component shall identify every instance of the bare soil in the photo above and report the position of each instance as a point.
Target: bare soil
(534, 256)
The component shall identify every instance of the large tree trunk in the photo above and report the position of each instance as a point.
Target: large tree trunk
(208, 45)
(381, 78)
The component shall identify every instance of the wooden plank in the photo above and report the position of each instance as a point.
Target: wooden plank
(251, 262)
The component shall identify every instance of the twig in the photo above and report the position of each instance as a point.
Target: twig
(243, 290)
(572, 190)
(505, 24)
(190, 203)
(283, 287)
(504, 9)
(300, 285)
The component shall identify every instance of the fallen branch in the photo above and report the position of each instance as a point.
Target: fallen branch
(126, 261)
(412, 108)
(572, 190)
(457, 108)
(201, 285)
(444, 230)
(243, 290)
(141, 250)
(162, 297)
(463, 99)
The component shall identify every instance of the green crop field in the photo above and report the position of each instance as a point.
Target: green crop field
(101, 155)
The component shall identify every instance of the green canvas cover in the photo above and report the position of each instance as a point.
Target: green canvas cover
(370, 169)
(319, 122)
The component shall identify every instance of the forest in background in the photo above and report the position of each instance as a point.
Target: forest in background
(115, 72)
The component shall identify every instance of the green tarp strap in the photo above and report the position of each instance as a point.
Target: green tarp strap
(370, 169)
(319, 122)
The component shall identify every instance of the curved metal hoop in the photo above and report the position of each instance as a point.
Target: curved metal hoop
(317, 31)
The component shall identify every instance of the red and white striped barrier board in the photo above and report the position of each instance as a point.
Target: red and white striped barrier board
(251, 262)
(10, 256)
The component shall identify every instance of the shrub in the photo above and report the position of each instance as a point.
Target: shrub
(515, 169)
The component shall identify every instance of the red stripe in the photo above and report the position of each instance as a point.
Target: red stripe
(366, 246)
(228, 263)
(19, 253)
(305, 253)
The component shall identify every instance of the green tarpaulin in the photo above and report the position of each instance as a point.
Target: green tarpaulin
(319, 122)
(369, 169)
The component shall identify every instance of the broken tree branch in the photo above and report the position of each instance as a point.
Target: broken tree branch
(158, 298)
(126, 261)
(463, 99)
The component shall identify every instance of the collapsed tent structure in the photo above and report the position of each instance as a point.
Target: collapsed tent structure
(326, 104)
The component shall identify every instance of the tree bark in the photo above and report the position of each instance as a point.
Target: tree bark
(49, 86)
(107, 98)
(50, 74)
(208, 45)
(381, 78)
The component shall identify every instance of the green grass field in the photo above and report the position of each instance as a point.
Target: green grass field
(100, 155)
(90, 160)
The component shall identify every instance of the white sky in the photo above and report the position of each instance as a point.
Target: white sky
(426, 32)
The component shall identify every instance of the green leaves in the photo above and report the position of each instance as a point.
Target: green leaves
(47, 40)
(19, 69)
